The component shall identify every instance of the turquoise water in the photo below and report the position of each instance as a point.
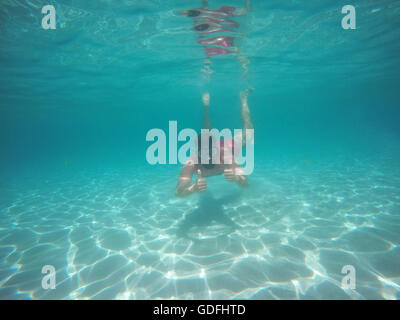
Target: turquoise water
(77, 193)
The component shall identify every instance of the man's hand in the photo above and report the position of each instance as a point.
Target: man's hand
(230, 175)
(235, 175)
(201, 184)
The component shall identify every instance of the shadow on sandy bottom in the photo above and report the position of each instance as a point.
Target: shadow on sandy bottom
(210, 210)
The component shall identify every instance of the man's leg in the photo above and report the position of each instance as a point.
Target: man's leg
(243, 60)
(245, 113)
(243, 11)
(206, 102)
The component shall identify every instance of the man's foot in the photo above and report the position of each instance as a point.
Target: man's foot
(245, 93)
(206, 99)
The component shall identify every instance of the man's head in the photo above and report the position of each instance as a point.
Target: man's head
(205, 150)
(215, 149)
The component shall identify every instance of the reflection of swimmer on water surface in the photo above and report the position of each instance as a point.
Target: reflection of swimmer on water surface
(213, 25)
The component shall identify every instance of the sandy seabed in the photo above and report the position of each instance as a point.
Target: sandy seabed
(124, 235)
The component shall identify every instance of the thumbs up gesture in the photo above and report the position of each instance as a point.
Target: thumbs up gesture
(201, 184)
(230, 175)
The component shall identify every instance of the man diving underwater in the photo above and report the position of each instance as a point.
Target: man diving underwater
(227, 164)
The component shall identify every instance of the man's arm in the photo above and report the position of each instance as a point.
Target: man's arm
(236, 174)
(242, 181)
(185, 186)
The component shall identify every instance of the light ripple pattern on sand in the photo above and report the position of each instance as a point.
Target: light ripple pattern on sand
(123, 235)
